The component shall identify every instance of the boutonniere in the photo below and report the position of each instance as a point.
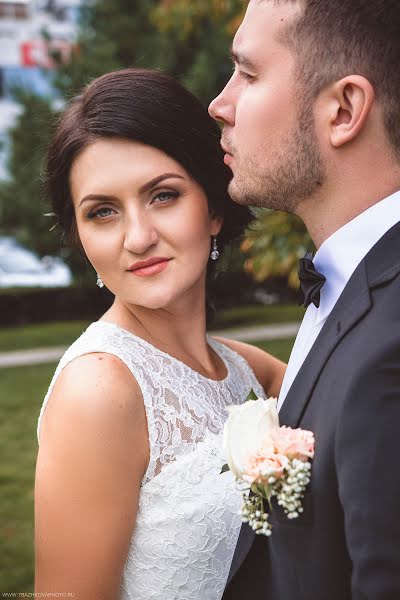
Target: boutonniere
(267, 459)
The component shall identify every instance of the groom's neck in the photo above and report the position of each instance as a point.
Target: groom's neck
(351, 187)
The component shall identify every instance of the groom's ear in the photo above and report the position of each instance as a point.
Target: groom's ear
(349, 104)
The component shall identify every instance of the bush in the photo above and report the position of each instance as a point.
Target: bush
(20, 306)
(237, 288)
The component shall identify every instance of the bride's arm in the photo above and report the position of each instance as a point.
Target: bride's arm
(92, 456)
(268, 369)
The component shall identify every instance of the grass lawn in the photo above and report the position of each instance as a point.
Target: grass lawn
(279, 348)
(63, 333)
(21, 393)
(258, 315)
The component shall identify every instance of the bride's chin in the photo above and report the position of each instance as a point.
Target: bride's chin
(154, 303)
(158, 297)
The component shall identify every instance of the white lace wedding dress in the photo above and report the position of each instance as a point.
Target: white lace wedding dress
(187, 523)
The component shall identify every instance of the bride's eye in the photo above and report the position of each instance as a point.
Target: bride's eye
(163, 196)
(102, 212)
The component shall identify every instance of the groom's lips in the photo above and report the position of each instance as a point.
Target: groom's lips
(225, 149)
(228, 155)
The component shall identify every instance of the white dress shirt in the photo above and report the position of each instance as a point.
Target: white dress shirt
(337, 259)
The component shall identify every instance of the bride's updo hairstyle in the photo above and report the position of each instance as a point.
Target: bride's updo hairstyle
(154, 109)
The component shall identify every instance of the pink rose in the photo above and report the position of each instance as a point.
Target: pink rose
(293, 443)
(264, 462)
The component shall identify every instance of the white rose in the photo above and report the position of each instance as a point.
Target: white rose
(247, 430)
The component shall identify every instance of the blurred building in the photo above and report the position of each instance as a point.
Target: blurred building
(30, 31)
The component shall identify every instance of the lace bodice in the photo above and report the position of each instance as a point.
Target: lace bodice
(187, 523)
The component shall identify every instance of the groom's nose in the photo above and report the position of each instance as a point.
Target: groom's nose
(221, 109)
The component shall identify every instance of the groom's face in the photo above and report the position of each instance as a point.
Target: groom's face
(268, 132)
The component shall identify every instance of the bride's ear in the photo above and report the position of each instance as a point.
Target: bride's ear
(350, 104)
(216, 225)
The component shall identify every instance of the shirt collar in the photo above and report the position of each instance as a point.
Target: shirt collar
(339, 256)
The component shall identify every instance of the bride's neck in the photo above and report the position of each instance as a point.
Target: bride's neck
(179, 331)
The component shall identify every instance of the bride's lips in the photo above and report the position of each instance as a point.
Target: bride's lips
(152, 266)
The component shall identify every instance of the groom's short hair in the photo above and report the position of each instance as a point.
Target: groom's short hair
(335, 38)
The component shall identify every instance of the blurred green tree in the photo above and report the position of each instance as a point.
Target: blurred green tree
(201, 33)
(113, 34)
(273, 245)
(22, 208)
(188, 39)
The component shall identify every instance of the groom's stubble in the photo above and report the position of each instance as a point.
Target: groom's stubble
(282, 179)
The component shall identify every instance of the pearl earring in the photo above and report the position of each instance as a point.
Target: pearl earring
(99, 281)
(214, 254)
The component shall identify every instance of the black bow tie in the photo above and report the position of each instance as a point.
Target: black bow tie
(311, 281)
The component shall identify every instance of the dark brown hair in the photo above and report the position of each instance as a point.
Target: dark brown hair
(154, 109)
(335, 38)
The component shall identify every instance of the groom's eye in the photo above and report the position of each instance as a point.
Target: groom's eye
(243, 74)
(246, 76)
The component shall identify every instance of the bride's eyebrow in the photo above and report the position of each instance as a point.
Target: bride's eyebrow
(147, 186)
(97, 198)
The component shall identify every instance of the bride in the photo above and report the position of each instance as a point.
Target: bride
(129, 499)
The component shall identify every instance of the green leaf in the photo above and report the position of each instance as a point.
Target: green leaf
(259, 490)
(268, 495)
(254, 489)
(224, 469)
(252, 395)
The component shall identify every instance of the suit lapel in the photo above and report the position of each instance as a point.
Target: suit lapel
(245, 541)
(352, 305)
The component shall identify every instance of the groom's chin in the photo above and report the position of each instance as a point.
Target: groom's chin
(238, 193)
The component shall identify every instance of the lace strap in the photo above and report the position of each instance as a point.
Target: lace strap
(236, 361)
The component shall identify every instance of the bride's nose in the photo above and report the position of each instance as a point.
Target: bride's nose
(140, 234)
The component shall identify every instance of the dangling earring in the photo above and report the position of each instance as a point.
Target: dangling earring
(99, 281)
(214, 254)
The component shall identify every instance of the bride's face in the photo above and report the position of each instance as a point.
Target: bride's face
(133, 203)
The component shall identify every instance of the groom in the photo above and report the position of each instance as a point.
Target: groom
(311, 126)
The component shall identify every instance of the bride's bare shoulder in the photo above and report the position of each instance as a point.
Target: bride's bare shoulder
(92, 392)
(99, 377)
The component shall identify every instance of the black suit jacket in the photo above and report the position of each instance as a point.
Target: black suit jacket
(346, 544)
